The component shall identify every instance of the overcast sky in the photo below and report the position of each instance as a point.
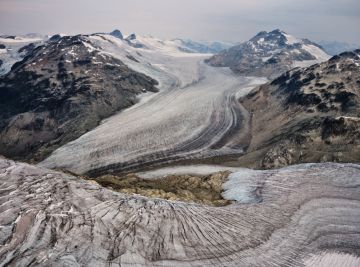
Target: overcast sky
(227, 20)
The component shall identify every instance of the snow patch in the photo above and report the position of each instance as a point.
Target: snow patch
(320, 55)
(242, 186)
(291, 39)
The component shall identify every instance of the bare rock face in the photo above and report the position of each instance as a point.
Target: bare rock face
(269, 54)
(205, 189)
(306, 214)
(58, 92)
(307, 115)
(117, 34)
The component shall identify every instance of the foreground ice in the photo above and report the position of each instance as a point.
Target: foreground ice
(307, 215)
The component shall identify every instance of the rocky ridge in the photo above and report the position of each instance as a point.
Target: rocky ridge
(307, 115)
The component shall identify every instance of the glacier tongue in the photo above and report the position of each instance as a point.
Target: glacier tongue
(195, 109)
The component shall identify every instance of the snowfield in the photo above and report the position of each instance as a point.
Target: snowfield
(11, 54)
(192, 116)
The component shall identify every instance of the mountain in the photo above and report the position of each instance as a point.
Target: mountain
(65, 86)
(334, 47)
(59, 91)
(117, 34)
(307, 115)
(205, 47)
(269, 54)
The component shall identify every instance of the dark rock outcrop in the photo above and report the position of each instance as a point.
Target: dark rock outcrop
(60, 91)
(131, 37)
(132, 41)
(117, 34)
(55, 38)
(27, 49)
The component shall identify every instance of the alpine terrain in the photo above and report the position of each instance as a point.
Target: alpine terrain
(123, 149)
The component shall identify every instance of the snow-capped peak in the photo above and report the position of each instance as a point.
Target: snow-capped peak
(269, 54)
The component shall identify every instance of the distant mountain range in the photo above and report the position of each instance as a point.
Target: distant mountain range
(205, 47)
(335, 47)
(269, 54)
(14, 48)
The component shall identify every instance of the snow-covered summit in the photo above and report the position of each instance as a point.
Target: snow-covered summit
(270, 54)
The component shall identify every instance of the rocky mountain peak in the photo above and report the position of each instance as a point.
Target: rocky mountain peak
(117, 33)
(274, 38)
(55, 37)
(269, 54)
(131, 37)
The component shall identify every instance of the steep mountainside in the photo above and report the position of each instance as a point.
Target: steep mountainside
(334, 47)
(307, 115)
(58, 92)
(269, 54)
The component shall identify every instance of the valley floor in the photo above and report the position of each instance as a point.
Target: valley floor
(194, 116)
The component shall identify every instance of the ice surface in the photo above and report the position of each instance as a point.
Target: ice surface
(291, 39)
(317, 52)
(242, 185)
(333, 259)
(320, 55)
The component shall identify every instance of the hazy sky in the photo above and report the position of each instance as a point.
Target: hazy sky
(227, 20)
